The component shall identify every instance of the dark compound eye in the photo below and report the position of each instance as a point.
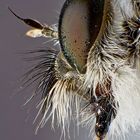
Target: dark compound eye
(79, 25)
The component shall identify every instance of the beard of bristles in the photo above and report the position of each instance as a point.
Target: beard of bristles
(63, 93)
(59, 85)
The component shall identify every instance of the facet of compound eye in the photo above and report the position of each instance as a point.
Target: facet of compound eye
(79, 25)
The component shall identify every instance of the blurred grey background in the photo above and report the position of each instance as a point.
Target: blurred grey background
(16, 120)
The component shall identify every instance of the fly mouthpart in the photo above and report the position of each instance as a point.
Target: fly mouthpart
(104, 110)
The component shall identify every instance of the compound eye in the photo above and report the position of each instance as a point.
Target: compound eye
(79, 25)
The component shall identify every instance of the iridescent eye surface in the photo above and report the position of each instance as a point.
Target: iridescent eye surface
(79, 25)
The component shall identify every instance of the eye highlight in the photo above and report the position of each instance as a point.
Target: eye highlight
(79, 25)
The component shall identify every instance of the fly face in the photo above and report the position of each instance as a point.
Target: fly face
(97, 65)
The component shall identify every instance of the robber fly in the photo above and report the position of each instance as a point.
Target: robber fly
(97, 68)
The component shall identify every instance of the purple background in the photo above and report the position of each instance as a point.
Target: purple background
(16, 120)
